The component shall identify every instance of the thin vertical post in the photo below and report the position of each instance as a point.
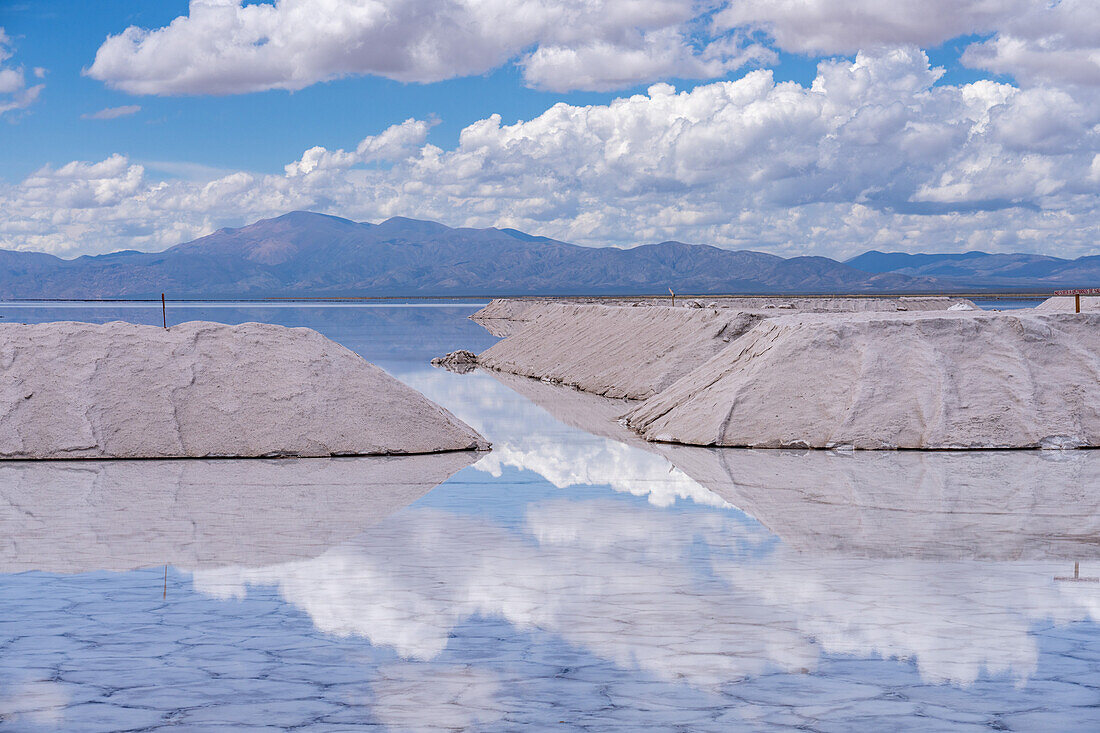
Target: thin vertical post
(1077, 301)
(163, 312)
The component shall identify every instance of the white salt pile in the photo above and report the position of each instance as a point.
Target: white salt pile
(617, 351)
(1067, 304)
(119, 390)
(876, 381)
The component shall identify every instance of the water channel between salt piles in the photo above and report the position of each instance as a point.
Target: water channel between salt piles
(575, 573)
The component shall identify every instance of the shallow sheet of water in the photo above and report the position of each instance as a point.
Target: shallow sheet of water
(574, 578)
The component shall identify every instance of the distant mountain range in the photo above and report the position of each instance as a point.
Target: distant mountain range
(982, 271)
(306, 254)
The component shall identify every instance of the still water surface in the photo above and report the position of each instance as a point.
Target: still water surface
(574, 578)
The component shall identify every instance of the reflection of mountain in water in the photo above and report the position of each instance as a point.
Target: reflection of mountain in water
(73, 517)
(988, 504)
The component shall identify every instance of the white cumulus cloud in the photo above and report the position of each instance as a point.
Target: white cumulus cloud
(829, 27)
(226, 47)
(14, 92)
(873, 154)
(1052, 42)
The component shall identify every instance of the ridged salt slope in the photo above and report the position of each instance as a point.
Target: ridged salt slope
(1066, 304)
(875, 381)
(617, 351)
(119, 390)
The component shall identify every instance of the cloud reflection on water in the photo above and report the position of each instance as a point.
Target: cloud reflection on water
(683, 596)
(702, 595)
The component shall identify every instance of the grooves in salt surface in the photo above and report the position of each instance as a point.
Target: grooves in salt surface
(875, 381)
(120, 390)
(617, 351)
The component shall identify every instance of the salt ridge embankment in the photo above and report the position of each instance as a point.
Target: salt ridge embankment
(504, 316)
(120, 390)
(949, 379)
(874, 381)
(617, 351)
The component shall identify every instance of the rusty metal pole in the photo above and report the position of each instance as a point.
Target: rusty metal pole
(163, 312)
(1077, 301)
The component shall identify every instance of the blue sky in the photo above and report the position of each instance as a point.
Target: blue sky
(951, 127)
(258, 132)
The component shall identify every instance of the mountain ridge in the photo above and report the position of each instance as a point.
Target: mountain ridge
(302, 254)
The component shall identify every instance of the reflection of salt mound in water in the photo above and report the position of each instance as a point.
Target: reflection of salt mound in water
(999, 505)
(1005, 380)
(119, 390)
(616, 351)
(119, 515)
(989, 504)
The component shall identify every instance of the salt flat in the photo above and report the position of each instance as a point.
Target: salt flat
(505, 316)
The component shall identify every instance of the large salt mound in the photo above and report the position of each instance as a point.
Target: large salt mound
(942, 381)
(1067, 304)
(616, 351)
(119, 390)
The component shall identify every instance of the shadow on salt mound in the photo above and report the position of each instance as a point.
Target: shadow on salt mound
(74, 517)
(120, 390)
